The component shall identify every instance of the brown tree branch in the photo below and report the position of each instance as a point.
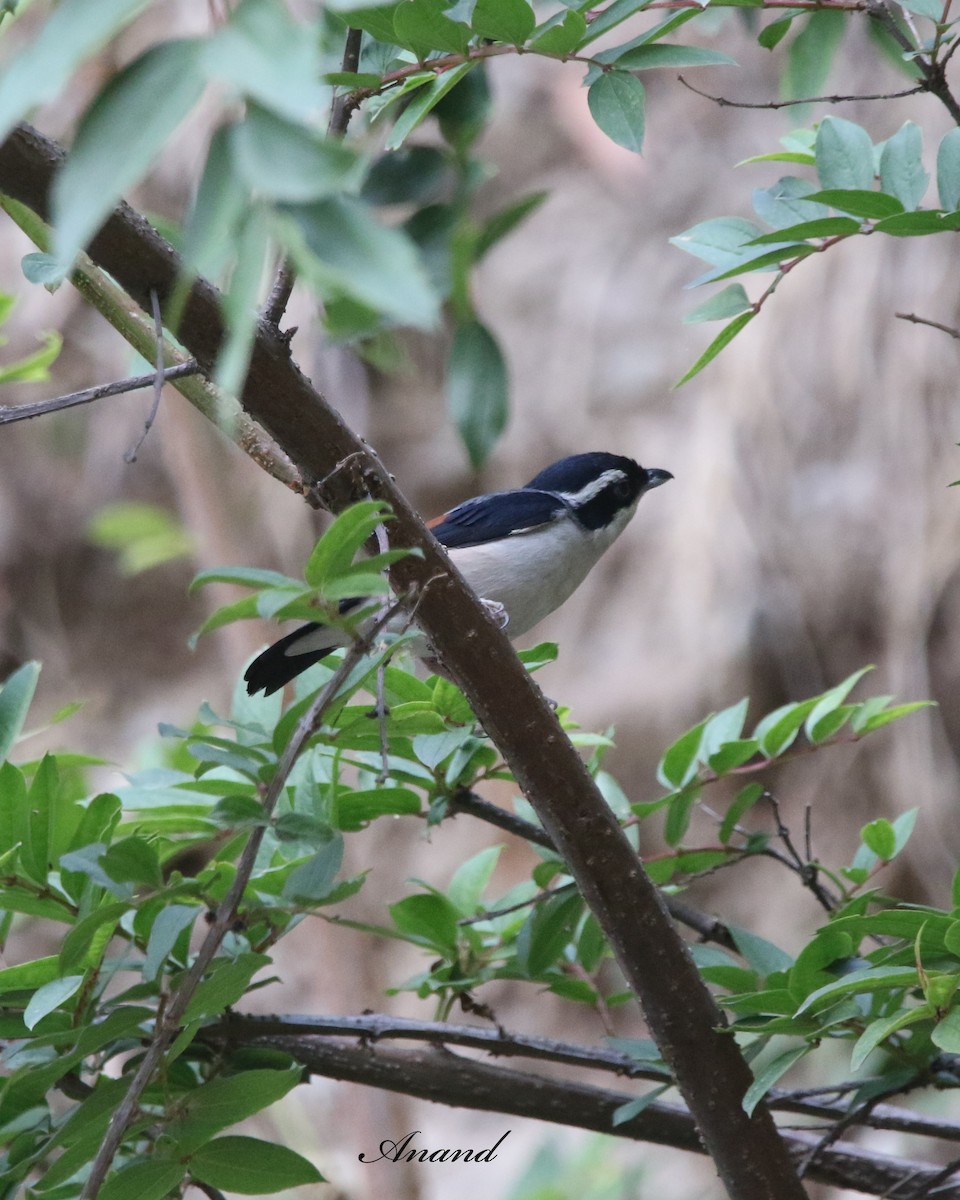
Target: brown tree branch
(238, 1028)
(438, 1074)
(710, 1072)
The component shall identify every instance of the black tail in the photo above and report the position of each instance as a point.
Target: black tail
(274, 667)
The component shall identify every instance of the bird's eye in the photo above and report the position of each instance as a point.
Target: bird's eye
(622, 490)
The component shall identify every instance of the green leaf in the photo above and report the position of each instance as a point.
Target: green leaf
(68, 34)
(143, 535)
(263, 54)
(314, 879)
(948, 170)
(138, 109)
(824, 227)
(34, 368)
(722, 727)
(429, 919)
(773, 34)
(510, 21)
(339, 545)
(75, 946)
(678, 815)
(167, 926)
(811, 55)
(932, 9)
(505, 221)
(226, 981)
(844, 155)
(16, 695)
(251, 1167)
(546, 933)
(49, 997)
(874, 979)
(728, 303)
(786, 203)
(733, 754)
(42, 268)
(656, 54)
(831, 700)
(477, 389)
(901, 166)
(946, 1033)
(616, 102)
(918, 224)
(426, 99)
(564, 38)
(777, 730)
(225, 1101)
(133, 860)
(680, 760)
(339, 244)
(424, 28)
(879, 837)
(251, 577)
(746, 799)
(627, 1112)
(470, 881)
(867, 204)
(719, 241)
(281, 159)
(769, 1075)
(151, 1180)
(878, 1031)
(723, 338)
(763, 956)
(878, 720)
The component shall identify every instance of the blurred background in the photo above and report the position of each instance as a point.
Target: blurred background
(809, 531)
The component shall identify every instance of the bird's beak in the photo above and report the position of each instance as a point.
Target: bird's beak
(655, 477)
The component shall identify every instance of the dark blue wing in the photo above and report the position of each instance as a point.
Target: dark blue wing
(498, 515)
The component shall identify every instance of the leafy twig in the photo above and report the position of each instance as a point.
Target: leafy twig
(223, 920)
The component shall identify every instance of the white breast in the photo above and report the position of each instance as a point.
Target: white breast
(533, 573)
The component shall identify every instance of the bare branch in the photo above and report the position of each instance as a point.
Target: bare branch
(26, 412)
(723, 102)
(438, 1074)
(915, 320)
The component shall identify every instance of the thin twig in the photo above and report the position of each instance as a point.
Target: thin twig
(546, 894)
(223, 920)
(131, 455)
(26, 412)
(915, 320)
(807, 871)
(709, 928)
(340, 114)
(723, 102)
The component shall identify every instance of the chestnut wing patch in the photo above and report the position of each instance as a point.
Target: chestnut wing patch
(489, 518)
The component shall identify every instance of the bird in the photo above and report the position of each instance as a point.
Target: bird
(524, 551)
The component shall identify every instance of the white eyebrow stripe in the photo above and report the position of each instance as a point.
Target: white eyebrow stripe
(593, 488)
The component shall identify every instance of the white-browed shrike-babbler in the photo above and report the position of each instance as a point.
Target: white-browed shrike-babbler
(524, 551)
